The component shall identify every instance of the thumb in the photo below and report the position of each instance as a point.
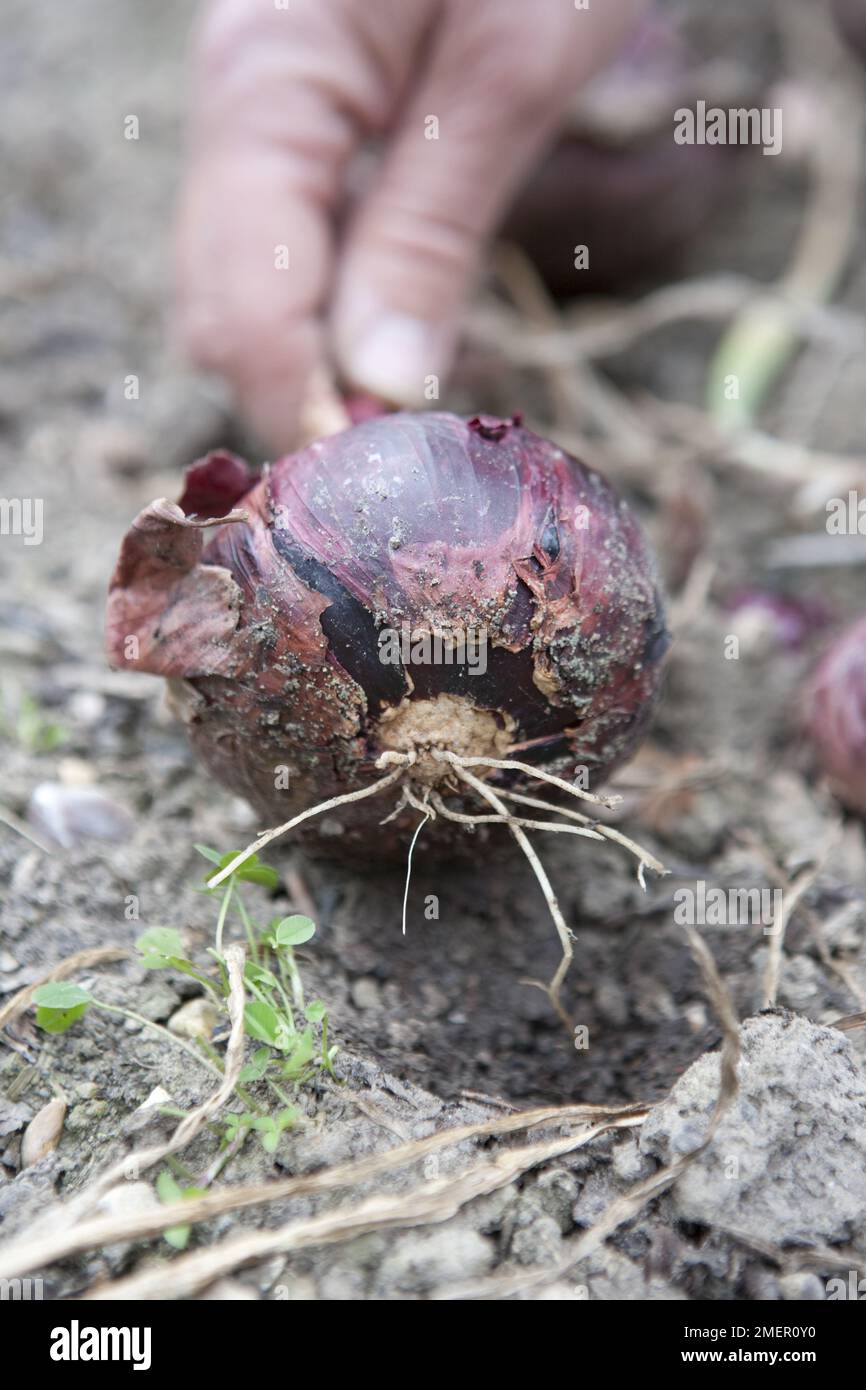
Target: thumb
(497, 82)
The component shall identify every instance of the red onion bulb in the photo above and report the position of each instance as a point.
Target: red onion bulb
(837, 715)
(419, 582)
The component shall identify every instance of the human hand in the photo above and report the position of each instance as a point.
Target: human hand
(273, 282)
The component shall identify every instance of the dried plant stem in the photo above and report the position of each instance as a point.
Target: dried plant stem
(850, 1023)
(132, 1165)
(31, 1252)
(435, 1201)
(591, 334)
(563, 930)
(269, 835)
(26, 831)
(791, 896)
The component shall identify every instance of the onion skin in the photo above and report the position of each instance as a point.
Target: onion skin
(269, 631)
(837, 716)
(782, 621)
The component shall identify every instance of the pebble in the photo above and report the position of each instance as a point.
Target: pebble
(128, 1199)
(196, 1019)
(365, 993)
(149, 1114)
(69, 815)
(803, 1287)
(538, 1243)
(629, 1164)
(43, 1132)
(422, 1261)
(158, 1096)
(132, 1198)
(229, 1290)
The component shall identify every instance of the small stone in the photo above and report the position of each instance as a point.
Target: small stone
(149, 1113)
(75, 772)
(7, 962)
(158, 1096)
(293, 1289)
(128, 1199)
(556, 1191)
(70, 815)
(629, 1163)
(342, 1286)
(595, 1196)
(43, 1132)
(87, 707)
(422, 1261)
(538, 1243)
(801, 1288)
(131, 1198)
(561, 1292)
(612, 1003)
(157, 1000)
(196, 1019)
(229, 1291)
(695, 1015)
(365, 993)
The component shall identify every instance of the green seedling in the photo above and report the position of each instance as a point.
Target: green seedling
(169, 1190)
(292, 1033)
(30, 727)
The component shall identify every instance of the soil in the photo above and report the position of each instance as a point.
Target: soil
(436, 1027)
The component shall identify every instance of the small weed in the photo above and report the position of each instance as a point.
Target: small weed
(29, 726)
(292, 1033)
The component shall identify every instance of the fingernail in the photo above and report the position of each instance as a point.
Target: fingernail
(397, 357)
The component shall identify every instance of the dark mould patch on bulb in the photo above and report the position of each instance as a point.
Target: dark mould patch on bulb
(349, 627)
(658, 639)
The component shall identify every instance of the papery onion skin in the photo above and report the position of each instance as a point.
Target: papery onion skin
(269, 631)
(837, 716)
